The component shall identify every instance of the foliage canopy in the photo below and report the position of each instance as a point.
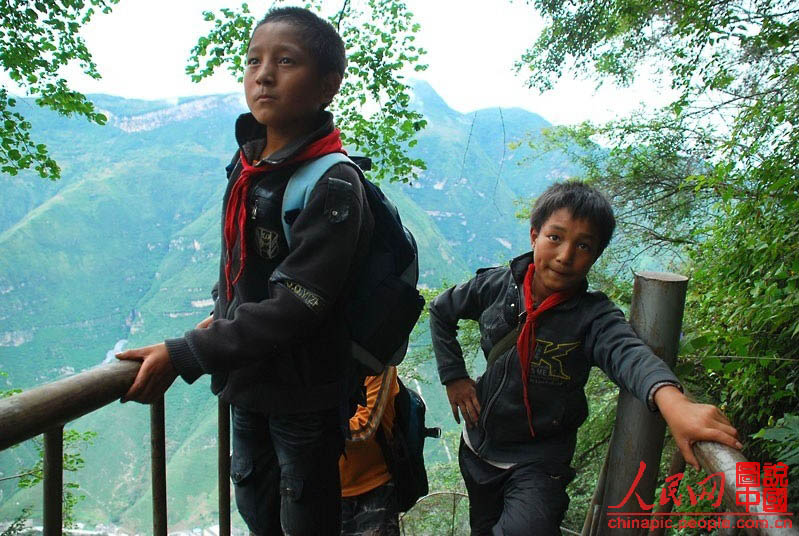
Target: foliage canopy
(712, 177)
(38, 39)
(379, 36)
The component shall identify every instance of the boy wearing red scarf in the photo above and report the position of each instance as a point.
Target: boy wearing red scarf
(546, 331)
(277, 345)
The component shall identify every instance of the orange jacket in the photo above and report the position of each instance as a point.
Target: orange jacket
(362, 466)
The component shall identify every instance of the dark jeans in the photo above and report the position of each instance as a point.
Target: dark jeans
(285, 472)
(373, 513)
(523, 500)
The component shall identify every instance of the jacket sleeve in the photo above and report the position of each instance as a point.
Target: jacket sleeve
(302, 289)
(625, 358)
(380, 393)
(465, 301)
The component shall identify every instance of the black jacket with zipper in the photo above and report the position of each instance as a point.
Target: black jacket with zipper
(586, 330)
(280, 344)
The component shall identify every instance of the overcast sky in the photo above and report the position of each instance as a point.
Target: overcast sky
(141, 50)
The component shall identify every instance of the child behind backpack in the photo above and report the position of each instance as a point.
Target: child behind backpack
(277, 346)
(522, 415)
(369, 503)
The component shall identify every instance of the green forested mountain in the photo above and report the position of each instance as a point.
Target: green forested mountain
(124, 249)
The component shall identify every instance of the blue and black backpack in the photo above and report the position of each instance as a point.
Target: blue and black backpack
(404, 451)
(385, 304)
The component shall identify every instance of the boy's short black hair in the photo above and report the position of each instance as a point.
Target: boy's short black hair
(583, 201)
(320, 37)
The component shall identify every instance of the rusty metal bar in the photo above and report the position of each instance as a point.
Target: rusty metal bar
(158, 465)
(53, 485)
(677, 465)
(596, 498)
(718, 458)
(224, 467)
(30, 413)
(656, 315)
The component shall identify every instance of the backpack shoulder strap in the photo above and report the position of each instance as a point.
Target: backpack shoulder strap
(506, 343)
(302, 182)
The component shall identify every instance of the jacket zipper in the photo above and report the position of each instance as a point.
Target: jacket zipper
(488, 407)
(481, 450)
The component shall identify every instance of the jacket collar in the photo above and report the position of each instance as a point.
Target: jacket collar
(518, 268)
(251, 137)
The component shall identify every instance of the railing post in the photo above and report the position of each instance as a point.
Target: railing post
(158, 465)
(53, 481)
(224, 466)
(656, 316)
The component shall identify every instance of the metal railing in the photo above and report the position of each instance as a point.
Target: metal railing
(47, 408)
(656, 314)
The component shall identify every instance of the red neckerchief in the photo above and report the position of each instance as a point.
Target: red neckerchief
(525, 344)
(236, 213)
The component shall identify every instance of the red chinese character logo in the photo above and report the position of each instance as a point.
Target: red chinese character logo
(714, 494)
(641, 503)
(669, 491)
(747, 476)
(775, 487)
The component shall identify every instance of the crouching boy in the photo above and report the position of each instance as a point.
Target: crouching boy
(541, 331)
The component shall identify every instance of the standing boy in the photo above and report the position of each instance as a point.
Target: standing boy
(522, 415)
(277, 346)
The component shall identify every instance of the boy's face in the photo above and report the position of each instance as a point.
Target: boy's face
(564, 249)
(282, 84)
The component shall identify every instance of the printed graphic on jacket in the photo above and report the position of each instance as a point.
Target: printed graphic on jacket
(268, 242)
(314, 301)
(548, 365)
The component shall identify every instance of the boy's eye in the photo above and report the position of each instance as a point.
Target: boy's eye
(586, 247)
(252, 61)
(553, 237)
(285, 60)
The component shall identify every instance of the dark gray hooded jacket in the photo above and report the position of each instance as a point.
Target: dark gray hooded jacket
(584, 331)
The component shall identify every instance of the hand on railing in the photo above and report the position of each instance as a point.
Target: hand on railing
(155, 375)
(690, 422)
(204, 323)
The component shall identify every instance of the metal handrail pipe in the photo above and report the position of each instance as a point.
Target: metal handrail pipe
(33, 412)
(718, 458)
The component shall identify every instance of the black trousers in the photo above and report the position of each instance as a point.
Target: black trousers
(527, 499)
(285, 472)
(373, 513)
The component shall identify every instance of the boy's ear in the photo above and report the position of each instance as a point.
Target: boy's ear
(533, 236)
(331, 82)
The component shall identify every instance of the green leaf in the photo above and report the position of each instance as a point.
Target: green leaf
(693, 344)
(740, 345)
(731, 367)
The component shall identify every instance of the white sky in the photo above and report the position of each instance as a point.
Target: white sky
(141, 50)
